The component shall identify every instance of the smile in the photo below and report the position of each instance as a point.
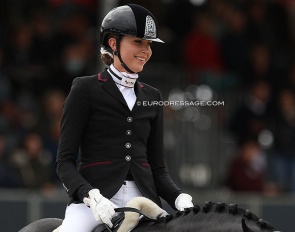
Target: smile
(140, 58)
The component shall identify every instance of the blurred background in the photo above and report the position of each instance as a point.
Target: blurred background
(236, 54)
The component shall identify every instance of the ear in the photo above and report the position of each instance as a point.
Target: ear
(113, 43)
(245, 227)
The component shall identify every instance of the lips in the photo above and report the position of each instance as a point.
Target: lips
(140, 59)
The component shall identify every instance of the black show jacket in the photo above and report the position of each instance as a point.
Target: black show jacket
(111, 140)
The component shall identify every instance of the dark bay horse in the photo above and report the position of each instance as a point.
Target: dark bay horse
(210, 217)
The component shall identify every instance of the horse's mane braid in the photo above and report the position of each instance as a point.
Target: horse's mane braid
(220, 207)
(207, 206)
(250, 215)
(196, 209)
(211, 207)
(264, 225)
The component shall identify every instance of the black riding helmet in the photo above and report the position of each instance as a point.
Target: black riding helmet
(132, 20)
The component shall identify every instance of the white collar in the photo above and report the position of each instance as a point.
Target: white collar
(122, 78)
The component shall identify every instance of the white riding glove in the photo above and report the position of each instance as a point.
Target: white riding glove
(183, 201)
(102, 208)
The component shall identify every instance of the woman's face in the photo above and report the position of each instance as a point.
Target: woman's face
(135, 52)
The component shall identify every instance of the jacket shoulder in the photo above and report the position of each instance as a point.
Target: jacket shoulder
(149, 87)
(86, 78)
(86, 81)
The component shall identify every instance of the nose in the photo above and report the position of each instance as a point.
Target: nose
(146, 49)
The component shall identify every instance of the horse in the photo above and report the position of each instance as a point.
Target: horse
(143, 215)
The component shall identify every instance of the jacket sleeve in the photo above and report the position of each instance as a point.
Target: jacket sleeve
(74, 120)
(167, 189)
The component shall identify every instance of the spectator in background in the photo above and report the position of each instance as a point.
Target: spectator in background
(43, 47)
(75, 47)
(234, 43)
(8, 176)
(179, 19)
(250, 117)
(76, 60)
(201, 48)
(5, 86)
(49, 123)
(290, 81)
(282, 154)
(258, 28)
(10, 122)
(247, 170)
(72, 25)
(260, 68)
(202, 55)
(268, 24)
(25, 68)
(32, 163)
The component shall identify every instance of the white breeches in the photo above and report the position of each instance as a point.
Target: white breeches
(79, 217)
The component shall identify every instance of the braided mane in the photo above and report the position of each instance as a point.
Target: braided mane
(211, 217)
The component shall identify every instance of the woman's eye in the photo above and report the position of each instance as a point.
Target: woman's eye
(143, 42)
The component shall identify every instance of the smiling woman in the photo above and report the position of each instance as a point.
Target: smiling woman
(120, 143)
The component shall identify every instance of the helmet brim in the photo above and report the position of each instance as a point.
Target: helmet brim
(156, 40)
(145, 38)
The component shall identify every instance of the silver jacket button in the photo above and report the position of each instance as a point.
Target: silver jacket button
(128, 145)
(129, 119)
(128, 132)
(127, 158)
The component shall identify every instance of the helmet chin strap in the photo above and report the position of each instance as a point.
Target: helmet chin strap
(117, 53)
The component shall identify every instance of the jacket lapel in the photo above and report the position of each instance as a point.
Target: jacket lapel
(110, 86)
(141, 95)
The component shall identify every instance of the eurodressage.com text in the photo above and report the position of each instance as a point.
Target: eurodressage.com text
(181, 103)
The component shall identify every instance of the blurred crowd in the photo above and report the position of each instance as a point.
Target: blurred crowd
(243, 47)
(43, 46)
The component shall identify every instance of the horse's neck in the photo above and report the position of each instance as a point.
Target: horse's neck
(211, 217)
